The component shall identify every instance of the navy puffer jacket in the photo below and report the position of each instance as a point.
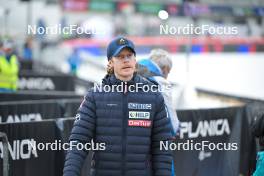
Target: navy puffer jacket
(131, 124)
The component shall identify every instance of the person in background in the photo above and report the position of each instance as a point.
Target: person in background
(41, 37)
(258, 132)
(156, 69)
(27, 50)
(9, 68)
(163, 60)
(74, 61)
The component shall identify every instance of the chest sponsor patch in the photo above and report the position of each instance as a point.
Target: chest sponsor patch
(138, 106)
(139, 123)
(139, 115)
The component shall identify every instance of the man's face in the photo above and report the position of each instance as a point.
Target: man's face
(8, 51)
(124, 64)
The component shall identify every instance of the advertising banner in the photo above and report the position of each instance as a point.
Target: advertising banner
(213, 142)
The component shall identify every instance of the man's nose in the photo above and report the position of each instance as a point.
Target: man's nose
(126, 58)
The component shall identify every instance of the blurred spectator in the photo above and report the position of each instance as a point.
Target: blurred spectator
(41, 24)
(8, 68)
(27, 50)
(150, 70)
(157, 69)
(258, 131)
(41, 37)
(74, 61)
(162, 59)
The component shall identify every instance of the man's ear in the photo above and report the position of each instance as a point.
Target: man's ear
(110, 69)
(111, 62)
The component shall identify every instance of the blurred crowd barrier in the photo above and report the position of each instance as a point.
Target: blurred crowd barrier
(37, 76)
(218, 125)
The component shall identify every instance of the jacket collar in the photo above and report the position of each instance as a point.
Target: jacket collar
(112, 80)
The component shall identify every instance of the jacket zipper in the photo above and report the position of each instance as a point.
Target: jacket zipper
(124, 131)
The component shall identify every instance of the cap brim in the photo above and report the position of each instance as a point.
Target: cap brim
(122, 47)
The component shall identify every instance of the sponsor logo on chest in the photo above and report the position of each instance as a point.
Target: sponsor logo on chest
(139, 106)
(139, 115)
(139, 123)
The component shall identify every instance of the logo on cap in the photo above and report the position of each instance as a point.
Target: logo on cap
(122, 41)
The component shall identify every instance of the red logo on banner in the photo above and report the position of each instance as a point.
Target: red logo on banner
(141, 123)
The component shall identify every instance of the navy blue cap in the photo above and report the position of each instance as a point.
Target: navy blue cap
(116, 45)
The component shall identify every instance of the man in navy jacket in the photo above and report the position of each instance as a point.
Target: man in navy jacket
(127, 115)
